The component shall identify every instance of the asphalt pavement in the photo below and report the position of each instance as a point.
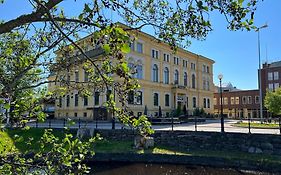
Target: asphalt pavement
(208, 125)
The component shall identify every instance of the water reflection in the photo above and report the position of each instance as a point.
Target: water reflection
(163, 169)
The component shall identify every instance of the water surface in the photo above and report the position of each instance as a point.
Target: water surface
(117, 168)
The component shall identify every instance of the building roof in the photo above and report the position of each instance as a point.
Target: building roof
(273, 64)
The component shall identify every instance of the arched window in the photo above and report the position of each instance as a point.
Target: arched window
(193, 81)
(155, 73)
(185, 79)
(176, 77)
(166, 75)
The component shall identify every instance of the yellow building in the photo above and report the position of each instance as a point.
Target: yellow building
(167, 79)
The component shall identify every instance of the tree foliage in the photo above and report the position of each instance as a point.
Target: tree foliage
(272, 101)
(28, 42)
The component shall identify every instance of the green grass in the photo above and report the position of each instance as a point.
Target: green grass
(16, 140)
(258, 125)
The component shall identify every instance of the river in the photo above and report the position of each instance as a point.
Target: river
(117, 168)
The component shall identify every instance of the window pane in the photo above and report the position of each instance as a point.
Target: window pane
(139, 48)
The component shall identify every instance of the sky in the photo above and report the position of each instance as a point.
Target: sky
(235, 52)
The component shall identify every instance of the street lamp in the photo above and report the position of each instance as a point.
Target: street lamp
(259, 50)
(222, 118)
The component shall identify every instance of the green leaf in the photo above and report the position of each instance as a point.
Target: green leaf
(125, 48)
(240, 2)
(87, 8)
(6, 106)
(106, 48)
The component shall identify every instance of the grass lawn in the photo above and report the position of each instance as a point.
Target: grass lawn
(16, 140)
(257, 125)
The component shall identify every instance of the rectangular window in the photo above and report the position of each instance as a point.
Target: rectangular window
(97, 98)
(204, 103)
(85, 114)
(86, 76)
(194, 102)
(204, 68)
(270, 87)
(215, 101)
(132, 46)
(75, 114)
(85, 101)
(167, 100)
(208, 71)
(237, 100)
(244, 100)
(166, 57)
(225, 101)
(154, 53)
(67, 100)
(192, 66)
(270, 76)
(249, 100)
(139, 47)
(77, 76)
(155, 99)
(131, 97)
(276, 86)
(276, 75)
(257, 99)
(139, 98)
(232, 100)
(76, 98)
(184, 63)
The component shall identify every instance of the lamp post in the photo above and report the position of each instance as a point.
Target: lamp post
(222, 118)
(259, 51)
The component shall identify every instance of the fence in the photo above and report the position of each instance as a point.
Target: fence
(193, 124)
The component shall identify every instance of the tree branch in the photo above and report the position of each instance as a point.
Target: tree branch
(32, 17)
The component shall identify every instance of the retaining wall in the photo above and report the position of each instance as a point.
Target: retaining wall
(252, 143)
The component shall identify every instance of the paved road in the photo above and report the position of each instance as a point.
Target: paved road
(209, 125)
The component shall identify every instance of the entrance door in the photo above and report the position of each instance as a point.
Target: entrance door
(100, 113)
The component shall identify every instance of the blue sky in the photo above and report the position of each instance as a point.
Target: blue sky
(235, 53)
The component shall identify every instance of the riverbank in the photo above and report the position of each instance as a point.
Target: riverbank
(217, 162)
(123, 151)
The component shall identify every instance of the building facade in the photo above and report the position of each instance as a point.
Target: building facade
(167, 79)
(237, 104)
(270, 80)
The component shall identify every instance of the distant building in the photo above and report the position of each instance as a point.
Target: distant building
(270, 79)
(237, 103)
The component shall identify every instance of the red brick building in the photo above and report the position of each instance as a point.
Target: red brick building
(237, 103)
(270, 79)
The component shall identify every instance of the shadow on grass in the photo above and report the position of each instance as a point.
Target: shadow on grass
(27, 140)
(108, 146)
